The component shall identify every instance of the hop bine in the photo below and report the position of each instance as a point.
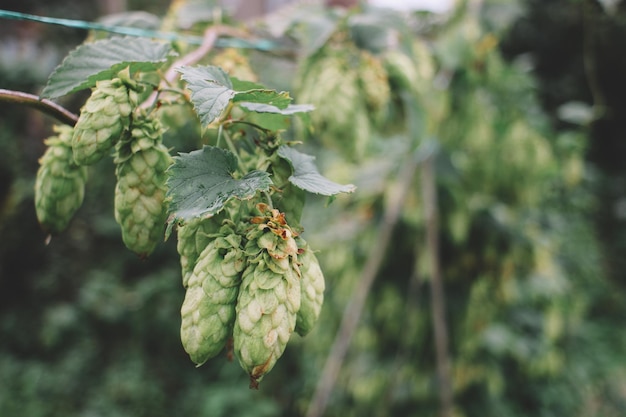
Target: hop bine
(60, 183)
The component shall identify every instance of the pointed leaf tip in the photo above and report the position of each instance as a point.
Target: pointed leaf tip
(100, 60)
(201, 183)
(307, 177)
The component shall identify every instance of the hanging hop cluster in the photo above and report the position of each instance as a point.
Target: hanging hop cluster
(60, 182)
(110, 119)
(258, 287)
(141, 161)
(356, 82)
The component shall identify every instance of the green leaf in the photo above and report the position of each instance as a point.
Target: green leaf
(103, 59)
(269, 97)
(245, 85)
(271, 117)
(201, 182)
(268, 108)
(248, 91)
(307, 177)
(211, 91)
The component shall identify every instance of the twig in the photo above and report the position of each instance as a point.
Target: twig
(209, 40)
(44, 105)
(354, 309)
(429, 197)
(591, 71)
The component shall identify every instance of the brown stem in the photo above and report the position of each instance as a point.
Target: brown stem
(589, 60)
(44, 105)
(354, 309)
(208, 43)
(429, 197)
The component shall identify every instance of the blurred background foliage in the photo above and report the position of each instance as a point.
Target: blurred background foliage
(521, 101)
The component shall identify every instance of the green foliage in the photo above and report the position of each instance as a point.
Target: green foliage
(201, 182)
(307, 177)
(531, 318)
(212, 91)
(101, 60)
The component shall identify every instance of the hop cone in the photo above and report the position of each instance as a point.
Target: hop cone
(208, 311)
(60, 183)
(140, 208)
(312, 286)
(269, 296)
(103, 118)
(374, 84)
(193, 237)
(332, 76)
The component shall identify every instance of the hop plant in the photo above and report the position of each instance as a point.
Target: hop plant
(60, 183)
(140, 207)
(374, 84)
(333, 75)
(269, 295)
(103, 118)
(208, 310)
(312, 289)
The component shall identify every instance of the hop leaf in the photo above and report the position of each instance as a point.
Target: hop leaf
(201, 182)
(101, 60)
(60, 183)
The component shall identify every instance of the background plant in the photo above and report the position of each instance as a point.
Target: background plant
(518, 256)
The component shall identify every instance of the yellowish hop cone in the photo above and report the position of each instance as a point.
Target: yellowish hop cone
(269, 296)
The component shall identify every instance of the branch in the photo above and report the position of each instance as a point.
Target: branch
(431, 216)
(589, 61)
(44, 105)
(354, 309)
(208, 43)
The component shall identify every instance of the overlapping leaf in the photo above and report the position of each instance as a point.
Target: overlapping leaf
(307, 177)
(212, 90)
(103, 59)
(201, 182)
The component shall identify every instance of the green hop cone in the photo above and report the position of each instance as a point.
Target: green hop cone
(332, 76)
(60, 183)
(103, 118)
(269, 296)
(208, 310)
(374, 85)
(312, 286)
(193, 237)
(140, 207)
